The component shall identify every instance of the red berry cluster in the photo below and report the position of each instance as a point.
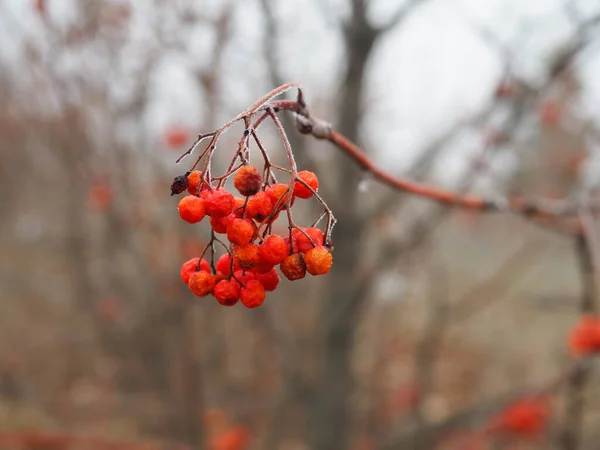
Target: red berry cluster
(247, 270)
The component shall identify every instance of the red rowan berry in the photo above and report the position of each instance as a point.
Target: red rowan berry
(238, 207)
(246, 256)
(240, 231)
(191, 266)
(193, 182)
(243, 276)
(247, 180)
(220, 276)
(293, 267)
(201, 283)
(191, 209)
(219, 224)
(259, 206)
(224, 264)
(318, 260)
(252, 294)
(526, 418)
(302, 243)
(269, 280)
(273, 250)
(278, 193)
(227, 292)
(219, 202)
(262, 267)
(309, 178)
(585, 337)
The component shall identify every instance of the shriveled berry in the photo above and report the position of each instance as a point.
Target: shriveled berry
(300, 190)
(201, 283)
(193, 183)
(318, 260)
(259, 206)
(227, 292)
(278, 193)
(302, 243)
(247, 180)
(252, 294)
(273, 250)
(269, 280)
(240, 231)
(246, 256)
(219, 202)
(191, 209)
(179, 184)
(293, 267)
(191, 266)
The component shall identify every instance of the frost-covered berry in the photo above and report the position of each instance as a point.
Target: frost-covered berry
(219, 202)
(300, 190)
(240, 231)
(273, 250)
(318, 260)
(247, 180)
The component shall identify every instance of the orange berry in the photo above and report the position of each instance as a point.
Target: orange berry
(219, 202)
(309, 178)
(293, 267)
(302, 243)
(252, 294)
(247, 180)
(269, 280)
(585, 337)
(193, 183)
(240, 231)
(273, 250)
(201, 283)
(191, 266)
(318, 260)
(259, 206)
(191, 209)
(246, 256)
(278, 193)
(227, 292)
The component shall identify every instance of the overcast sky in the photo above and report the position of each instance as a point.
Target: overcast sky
(425, 75)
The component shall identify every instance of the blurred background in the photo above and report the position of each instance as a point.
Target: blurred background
(430, 317)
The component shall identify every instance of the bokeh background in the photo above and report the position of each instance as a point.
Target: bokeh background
(431, 316)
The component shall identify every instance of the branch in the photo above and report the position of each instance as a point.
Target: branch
(543, 211)
(587, 251)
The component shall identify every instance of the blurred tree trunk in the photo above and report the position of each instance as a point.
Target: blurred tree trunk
(345, 296)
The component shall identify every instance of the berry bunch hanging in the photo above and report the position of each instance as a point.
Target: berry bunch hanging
(241, 219)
